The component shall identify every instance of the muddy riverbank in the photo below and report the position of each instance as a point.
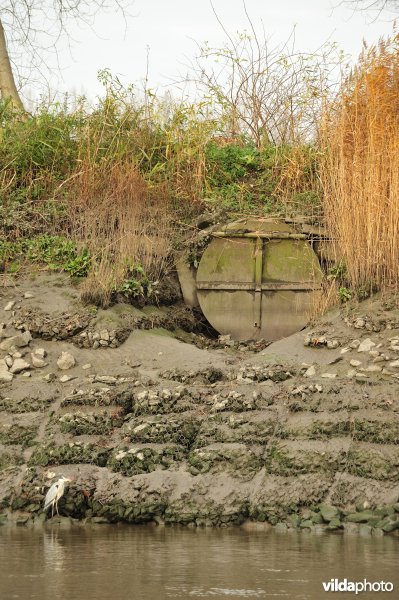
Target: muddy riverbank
(300, 434)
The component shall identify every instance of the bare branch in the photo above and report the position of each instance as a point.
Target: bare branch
(37, 26)
(269, 94)
(374, 5)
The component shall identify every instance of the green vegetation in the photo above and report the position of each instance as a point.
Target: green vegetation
(75, 179)
(104, 192)
(247, 180)
(55, 252)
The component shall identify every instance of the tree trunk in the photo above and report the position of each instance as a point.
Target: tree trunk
(8, 89)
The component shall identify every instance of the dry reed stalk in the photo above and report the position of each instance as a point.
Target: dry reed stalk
(123, 224)
(325, 300)
(360, 169)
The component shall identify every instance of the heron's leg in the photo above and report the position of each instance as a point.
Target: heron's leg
(52, 510)
(56, 507)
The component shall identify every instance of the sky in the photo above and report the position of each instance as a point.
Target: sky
(162, 35)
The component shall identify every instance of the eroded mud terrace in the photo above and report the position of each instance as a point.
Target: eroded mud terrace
(302, 433)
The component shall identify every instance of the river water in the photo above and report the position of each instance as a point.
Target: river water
(156, 563)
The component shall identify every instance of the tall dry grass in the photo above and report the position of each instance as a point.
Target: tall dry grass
(360, 168)
(127, 227)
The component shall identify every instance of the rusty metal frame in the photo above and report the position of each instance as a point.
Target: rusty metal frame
(276, 235)
(258, 255)
(250, 286)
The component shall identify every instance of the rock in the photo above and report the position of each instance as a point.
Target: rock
(359, 517)
(3, 364)
(26, 374)
(361, 377)
(366, 345)
(329, 375)
(331, 344)
(355, 363)
(335, 524)
(294, 520)
(379, 358)
(5, 376)
(27, 336)
(65, 378)
(374, 353)
(355, 344)
(86, 366)
(374, 369)
(306, 514)
(311, 372)
(394, 364)
(9, 306)
(50, 377)
(391, 526)
(104, 335)
(351, 373)
(66, 361)
(328, 512)
(40, 352)
(19, 365)
(387, 372)
(359, 323)
(28, 295)
(37, 362)
(16, 341)
(351, 528)
(345, 350)
(96, 344)
(8, 360)
(365, 530)
(106, 379)
(306, 524)
(317, 519)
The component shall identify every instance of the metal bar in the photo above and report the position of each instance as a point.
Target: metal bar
(258, 282)
(251, 286)
(276, 235)
(225, 285)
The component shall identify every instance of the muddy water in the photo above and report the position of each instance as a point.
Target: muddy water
(142, 563)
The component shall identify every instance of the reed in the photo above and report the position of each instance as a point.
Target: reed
(360, 169)
(127, 227)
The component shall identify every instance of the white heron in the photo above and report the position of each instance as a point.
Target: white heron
(55, 492)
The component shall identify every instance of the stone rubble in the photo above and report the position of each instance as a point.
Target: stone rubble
(297, 446)
(66, 361)
(19, 365)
